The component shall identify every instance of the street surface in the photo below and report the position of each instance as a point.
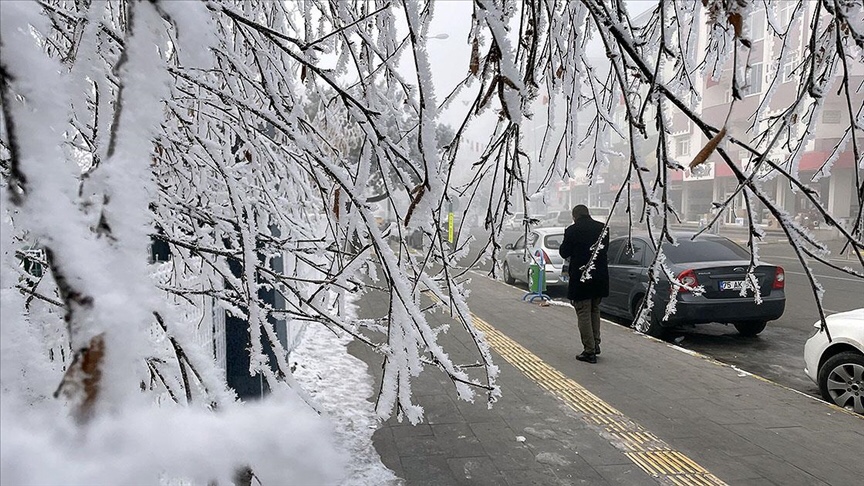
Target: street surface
(776, 353)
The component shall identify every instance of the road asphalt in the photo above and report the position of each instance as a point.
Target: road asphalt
(647, 413)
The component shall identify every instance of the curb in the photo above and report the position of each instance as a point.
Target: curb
(742, 372)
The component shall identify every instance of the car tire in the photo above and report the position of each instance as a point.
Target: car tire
(508, 277)
(655, 326)
(841, 380)
(750, 328)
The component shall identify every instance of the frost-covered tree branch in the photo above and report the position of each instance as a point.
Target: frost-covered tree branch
(257, 141)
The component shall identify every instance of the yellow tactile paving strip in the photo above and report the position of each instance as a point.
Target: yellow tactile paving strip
(646, 450)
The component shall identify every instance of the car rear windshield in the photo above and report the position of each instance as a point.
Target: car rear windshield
(553, 242)
(704, 251)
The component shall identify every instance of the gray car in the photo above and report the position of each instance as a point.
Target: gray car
(715, 263)
(557, 218)
(541, 245)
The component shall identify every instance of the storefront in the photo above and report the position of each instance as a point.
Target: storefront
(697, 194)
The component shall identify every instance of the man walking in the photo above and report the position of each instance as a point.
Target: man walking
(580, 239)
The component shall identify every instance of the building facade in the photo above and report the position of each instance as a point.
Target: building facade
(769, 86)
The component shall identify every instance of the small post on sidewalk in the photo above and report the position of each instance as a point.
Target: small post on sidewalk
(450, 223)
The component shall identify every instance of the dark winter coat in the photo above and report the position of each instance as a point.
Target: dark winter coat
(579, 238)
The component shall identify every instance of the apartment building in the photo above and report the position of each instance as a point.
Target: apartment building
(770, 85)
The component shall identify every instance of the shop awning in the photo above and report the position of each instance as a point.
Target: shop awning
(810, 162)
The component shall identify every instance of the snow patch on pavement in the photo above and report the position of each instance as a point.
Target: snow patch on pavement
(552, 459)
(341, 387)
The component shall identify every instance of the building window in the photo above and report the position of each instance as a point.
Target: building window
(784, 14)
(682, 146)
(753, 80)
(831, 116)
(756, 24)
(788, 69)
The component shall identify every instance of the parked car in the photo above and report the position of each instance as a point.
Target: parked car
(565, 217)
(514, 221)
(542, 244)
(599, 214)
(557, 218)
(715, 263)
(838, 366)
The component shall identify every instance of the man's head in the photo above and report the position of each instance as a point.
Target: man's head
(580, 211)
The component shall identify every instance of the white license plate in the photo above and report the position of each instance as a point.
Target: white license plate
(731, 284)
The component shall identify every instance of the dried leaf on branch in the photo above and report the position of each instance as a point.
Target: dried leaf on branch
(708, 149)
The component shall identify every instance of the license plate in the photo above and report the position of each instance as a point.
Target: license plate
(731, 284)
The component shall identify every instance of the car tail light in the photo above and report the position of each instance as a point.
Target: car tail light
(688, 278)
(779, 279)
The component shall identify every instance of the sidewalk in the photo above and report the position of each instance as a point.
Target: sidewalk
(647, 413)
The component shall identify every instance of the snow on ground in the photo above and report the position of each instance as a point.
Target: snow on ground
(342, 388)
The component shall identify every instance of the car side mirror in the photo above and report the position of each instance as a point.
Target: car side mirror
(508, 246)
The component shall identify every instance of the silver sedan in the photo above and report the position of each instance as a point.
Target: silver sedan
(540, 246)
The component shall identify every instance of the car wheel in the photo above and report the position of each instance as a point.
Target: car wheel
(507, 276)
(655, 326)
(750, 328)
(841, 380)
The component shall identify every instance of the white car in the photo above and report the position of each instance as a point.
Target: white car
(838, 366)
(517, 221)
(565, 218)
(541, 247)
(557, 218)
(514, 221)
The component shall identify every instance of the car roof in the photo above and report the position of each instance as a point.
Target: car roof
(680, 236)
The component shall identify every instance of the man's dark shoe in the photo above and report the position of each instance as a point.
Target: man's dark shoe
(588, 358)
(597, 349)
